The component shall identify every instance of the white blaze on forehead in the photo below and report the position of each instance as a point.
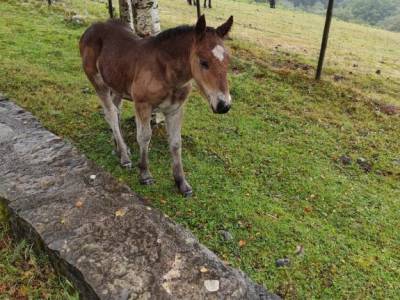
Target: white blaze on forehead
(218, 52)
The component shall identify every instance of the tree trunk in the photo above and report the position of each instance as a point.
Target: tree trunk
(110, 9)
(126, 12)
(146, 17)
(141, 15)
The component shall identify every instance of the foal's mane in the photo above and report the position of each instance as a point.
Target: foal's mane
(176, 32)
(173, 33)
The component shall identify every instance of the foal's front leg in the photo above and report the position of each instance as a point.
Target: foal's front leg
(143, 136)
(174, 125)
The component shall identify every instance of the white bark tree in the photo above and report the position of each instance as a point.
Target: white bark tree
(126, 12)
(141, 15)
(146, 17)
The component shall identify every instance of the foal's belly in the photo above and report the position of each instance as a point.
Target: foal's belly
(126, 96)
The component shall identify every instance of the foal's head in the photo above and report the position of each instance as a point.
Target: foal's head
(209, 62)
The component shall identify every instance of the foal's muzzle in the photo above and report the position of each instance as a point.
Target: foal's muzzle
(222, 107)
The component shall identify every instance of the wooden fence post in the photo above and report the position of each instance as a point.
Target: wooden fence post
(324, 39)
(198, 9)
(110, 9)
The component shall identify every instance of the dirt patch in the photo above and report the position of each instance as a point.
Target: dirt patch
(389, 109)
(337, 77)
(292, 65)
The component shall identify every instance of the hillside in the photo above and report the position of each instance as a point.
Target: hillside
(275, 35)
(299, 169)
(382, 13)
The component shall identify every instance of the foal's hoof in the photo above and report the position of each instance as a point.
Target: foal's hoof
(184, 188)
(147, 181)
(126, 165)
(187, 194)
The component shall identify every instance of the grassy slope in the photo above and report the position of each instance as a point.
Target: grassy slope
(277, 32)
(267, 171)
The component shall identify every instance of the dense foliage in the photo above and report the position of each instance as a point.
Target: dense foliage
(382, 13)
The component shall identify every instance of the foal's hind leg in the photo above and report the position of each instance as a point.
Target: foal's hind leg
(143, 117)
(110, 103)
(117, 100)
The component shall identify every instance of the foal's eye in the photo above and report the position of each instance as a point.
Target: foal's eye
(204, 64)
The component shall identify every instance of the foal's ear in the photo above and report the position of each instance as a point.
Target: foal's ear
(201, 26)
(224, 29)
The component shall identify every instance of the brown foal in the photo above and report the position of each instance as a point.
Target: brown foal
(156, 74)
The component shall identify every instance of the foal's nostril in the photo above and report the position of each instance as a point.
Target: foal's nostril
(222, 107)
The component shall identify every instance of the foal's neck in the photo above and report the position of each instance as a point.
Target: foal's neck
(175, 47)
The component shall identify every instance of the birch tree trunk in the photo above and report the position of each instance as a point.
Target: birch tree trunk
(126, 12)
(141, 15)
(146, 17)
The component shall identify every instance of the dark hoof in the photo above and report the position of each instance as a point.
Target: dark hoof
(147, 181)
(187, 194)
(126, 165)
(184, 188)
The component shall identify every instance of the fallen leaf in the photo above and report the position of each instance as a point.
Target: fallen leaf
(120, 212)
(27, 274)
(308, 209)
(242, 243)
(78, 204)
(203, 270)
(299, 250)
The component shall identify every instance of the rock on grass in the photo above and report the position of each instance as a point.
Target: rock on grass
(364, 164)
(282, 262)
(345, 160)
(226, 235)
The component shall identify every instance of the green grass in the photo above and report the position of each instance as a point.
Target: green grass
(268, 172)
(24, 275)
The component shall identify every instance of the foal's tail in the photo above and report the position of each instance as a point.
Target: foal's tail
(90, 46)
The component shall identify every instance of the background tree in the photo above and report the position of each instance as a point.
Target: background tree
(141, 15)
(126, 12)
(146, 17)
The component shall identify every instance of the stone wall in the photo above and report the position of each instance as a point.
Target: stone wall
(97, 232)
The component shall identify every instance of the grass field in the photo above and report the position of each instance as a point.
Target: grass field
(269, 171)
(24, 275)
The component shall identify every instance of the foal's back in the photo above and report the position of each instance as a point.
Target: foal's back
(109, 49)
